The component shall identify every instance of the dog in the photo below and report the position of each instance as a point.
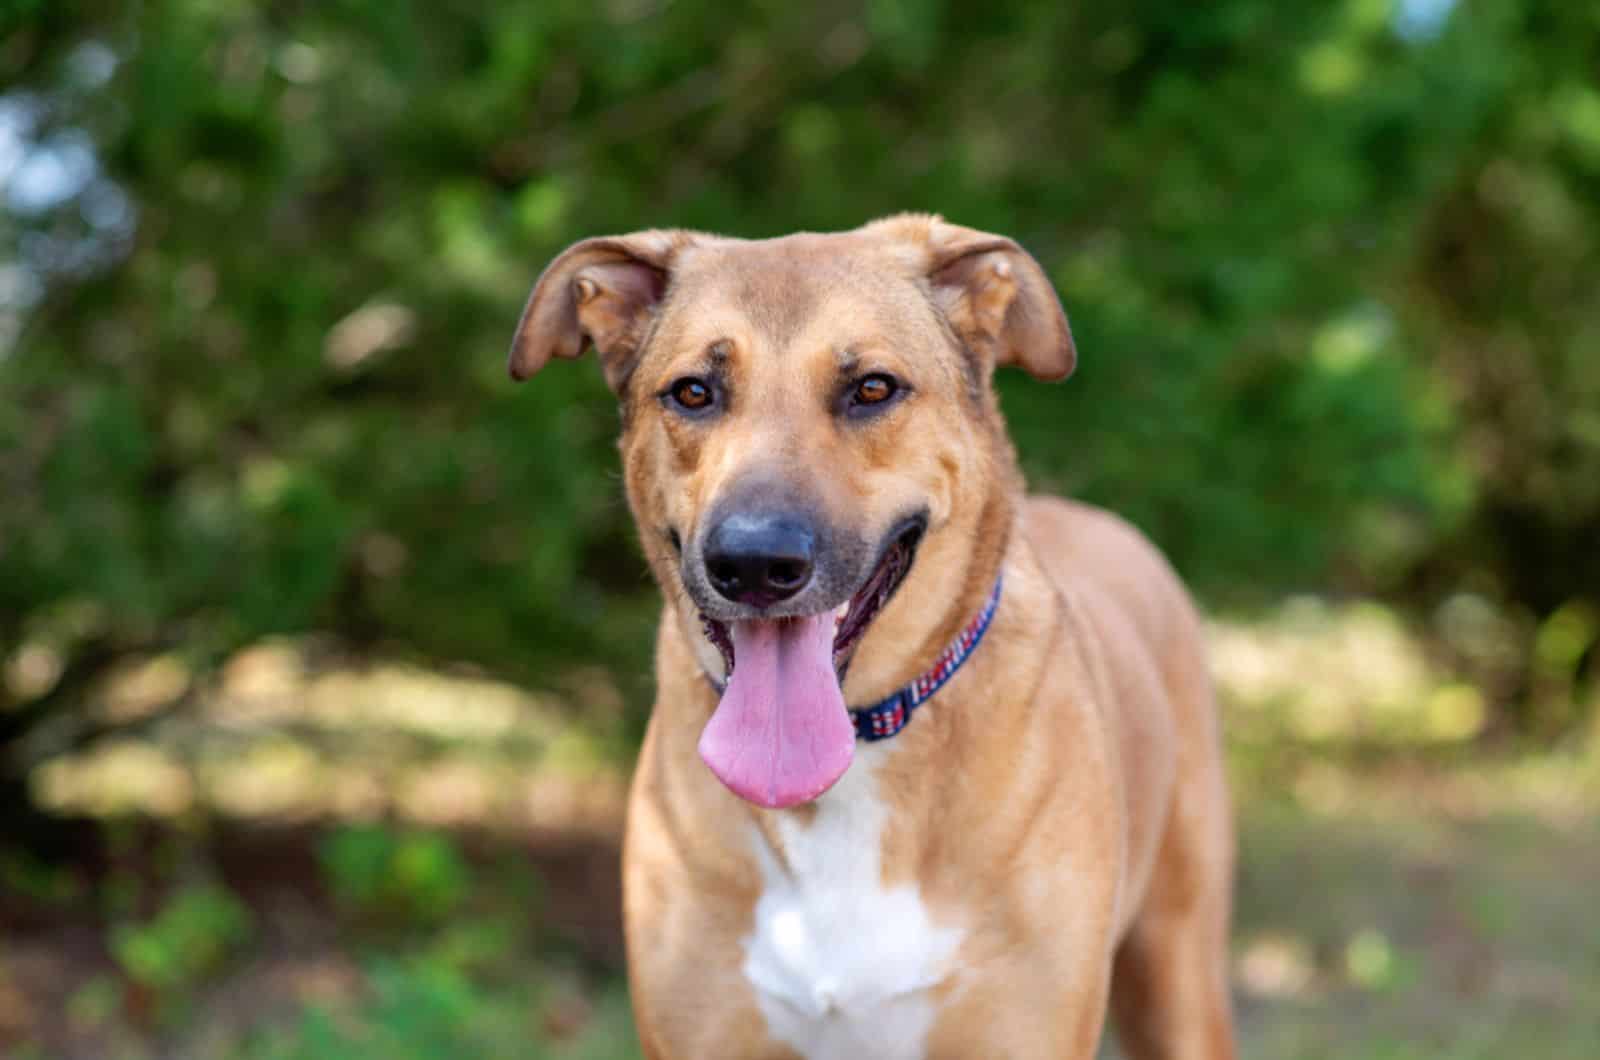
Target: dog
(934, 766)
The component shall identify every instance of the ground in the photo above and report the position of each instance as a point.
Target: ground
(259, 886)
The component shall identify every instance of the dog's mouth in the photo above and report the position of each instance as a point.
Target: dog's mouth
(854, 616)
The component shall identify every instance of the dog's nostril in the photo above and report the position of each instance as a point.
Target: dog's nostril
(723, 572)
(786, 573)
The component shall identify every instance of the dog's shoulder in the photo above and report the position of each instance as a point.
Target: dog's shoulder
(1108, 564)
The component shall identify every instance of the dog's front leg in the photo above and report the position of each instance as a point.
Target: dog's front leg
(1022, 1013)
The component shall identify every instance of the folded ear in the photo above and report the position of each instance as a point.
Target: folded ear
(601, 292)
(996, 297)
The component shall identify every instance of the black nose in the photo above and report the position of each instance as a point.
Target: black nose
(759, 559)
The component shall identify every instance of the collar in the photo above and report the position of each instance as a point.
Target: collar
(888, 716)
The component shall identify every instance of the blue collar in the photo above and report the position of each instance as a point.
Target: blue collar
(888, 716)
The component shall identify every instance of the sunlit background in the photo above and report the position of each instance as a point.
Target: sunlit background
(324, 649)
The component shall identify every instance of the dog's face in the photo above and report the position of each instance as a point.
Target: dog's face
(798, 415)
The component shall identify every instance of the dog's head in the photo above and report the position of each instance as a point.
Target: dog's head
(800, 416)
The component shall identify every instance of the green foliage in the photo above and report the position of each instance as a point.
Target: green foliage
(36, 880)
(418, 1010)
(1328, 265)
(172, 954)
(394, 876)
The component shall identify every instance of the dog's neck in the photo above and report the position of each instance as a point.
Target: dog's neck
(884, 719)
(954, 574)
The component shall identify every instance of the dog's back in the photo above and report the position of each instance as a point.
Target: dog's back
(1147, 632)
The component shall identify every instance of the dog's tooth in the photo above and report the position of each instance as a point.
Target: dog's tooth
(840, 612)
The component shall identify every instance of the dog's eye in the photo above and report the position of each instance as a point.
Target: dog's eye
(691, 394)
(873, 390)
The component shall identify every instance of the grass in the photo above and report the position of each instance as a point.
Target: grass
(395, 864)
(1416, 935)
(1367, 933)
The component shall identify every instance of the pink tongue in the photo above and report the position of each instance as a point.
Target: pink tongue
(782, 734)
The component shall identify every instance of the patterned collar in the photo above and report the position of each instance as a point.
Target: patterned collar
(888, 716)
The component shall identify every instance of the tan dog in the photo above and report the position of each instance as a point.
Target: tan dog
(826, 494)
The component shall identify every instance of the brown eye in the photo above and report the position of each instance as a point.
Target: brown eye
(692, 394)
(873, 390)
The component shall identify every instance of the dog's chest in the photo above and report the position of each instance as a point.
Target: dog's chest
(841, 965)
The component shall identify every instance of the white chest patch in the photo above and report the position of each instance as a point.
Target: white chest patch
(841, 965)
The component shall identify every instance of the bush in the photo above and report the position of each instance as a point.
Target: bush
(171, 955)
(394, 876)
(1326, 264)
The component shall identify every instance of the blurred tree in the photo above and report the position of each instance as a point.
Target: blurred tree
(1501, 291)
(262, 261)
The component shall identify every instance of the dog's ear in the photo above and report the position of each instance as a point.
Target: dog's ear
(601, 292)
(995, 295)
